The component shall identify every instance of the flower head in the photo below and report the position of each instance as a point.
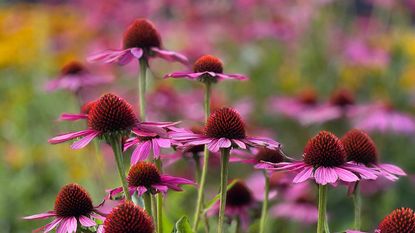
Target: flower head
(141, 40)
(400, 220)
(74, 76)
(207, 69)
(128, 217)
(141, 34)
(73, 204)
(342, 98)
(224, 129)
(107, 117)
(360, 148)
(145, 177)
(324, 160)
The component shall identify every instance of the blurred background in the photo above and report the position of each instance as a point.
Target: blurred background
(306, 50)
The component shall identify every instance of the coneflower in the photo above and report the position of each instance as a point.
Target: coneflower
(128, 217)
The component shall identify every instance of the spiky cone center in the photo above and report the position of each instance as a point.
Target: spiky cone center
(307, 97)
(359, 147)
(342, 98)
(269, 155)
(73, 201)
(111, 114)
(141, 34)
(225, 123)
(325, 149)
(143, 174)
(208, 63)
(399, 221)
(87, 107)
(73, 68)
(128, 218)
(238, 195)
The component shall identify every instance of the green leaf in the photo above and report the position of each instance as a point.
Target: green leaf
(216, 198)
(182, 226)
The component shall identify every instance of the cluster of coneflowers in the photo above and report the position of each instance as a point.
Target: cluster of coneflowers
(327, 159)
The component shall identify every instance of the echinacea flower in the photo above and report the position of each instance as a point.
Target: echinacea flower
(141, 41)
(361, 149)
(239, 200)
(207, 69)
(383, 118)
(110, 115)
(74, 76)
(145, 177)
(224, 129)
(146, 144)
(73, 205)
(128, 217)
(400, 220)
(303, 108)
(324, 160)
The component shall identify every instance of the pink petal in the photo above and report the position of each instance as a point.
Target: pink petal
(141, 152)
(214, 145)
(72, 117)
(160, 188)
(41, 215)
(141, 190)
(156, 149)
(170, 56)
(346, 175)
(239, 143)
(137, 52)
(163, 142)
(320, 176)
(84, 141)
(52, 225)
(303, 175)
(72, 224)
(86, 222)
(224, 143)
(392, 169)
(232, 76)
(70, 136)
(363, 171)
(175, 180)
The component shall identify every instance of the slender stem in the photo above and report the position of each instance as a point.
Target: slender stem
(202, 182)
(154, 207)
(322, 203)
(264, 205)
(357, 200)
(159, 202)
(147, 203)
(196, 158)
(116, 145)
(142, 88)
(238, 225)
(223, 182)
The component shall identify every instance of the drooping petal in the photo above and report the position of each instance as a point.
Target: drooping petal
(137, 52)
(239, 143)
(156, 149)
(363, 171)
(69, 136)
(72, 117)
(320, 176)
(170, 56)
(84, 141)
(232, 76)
(105, 207)
(346, 175)
(72, 224)
(175, 180)
(141, 190)
(41, 215)
(164, 142)
(214, 145)
(160, 188)
(86, 222)
(392, 169)
(303, 175)
(121, 57)
(141, 152)
(224, 143)
(50, 226)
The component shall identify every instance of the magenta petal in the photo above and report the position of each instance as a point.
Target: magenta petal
(41, 215)
(141, 152)
(50, 226)
(214, 145)
(320, 176)
(70, 136)
(170, 56)
(72, 117)
(392, 169)
(86, 222)
(63, 226)
(137, 52)
(178, 75)
(232, 76)
(156, 148)
(106, 206)
(239, 143)
(346, 175)
(363, 171)
(161, 188)
(141, 190)
(224, 143)
(130, 142)
(175, 180)
(100, 229)
(303, 175)
(84, 141)
(163, 142)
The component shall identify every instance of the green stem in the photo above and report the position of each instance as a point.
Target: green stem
(223, 182)
(142, 88)
(147, 203)
(159, 202)
(116, 145)
(322, 203)
(196, 158)
(202, 182)
(154, 207)
(264, 205)
(238, 225)
(357, 200)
